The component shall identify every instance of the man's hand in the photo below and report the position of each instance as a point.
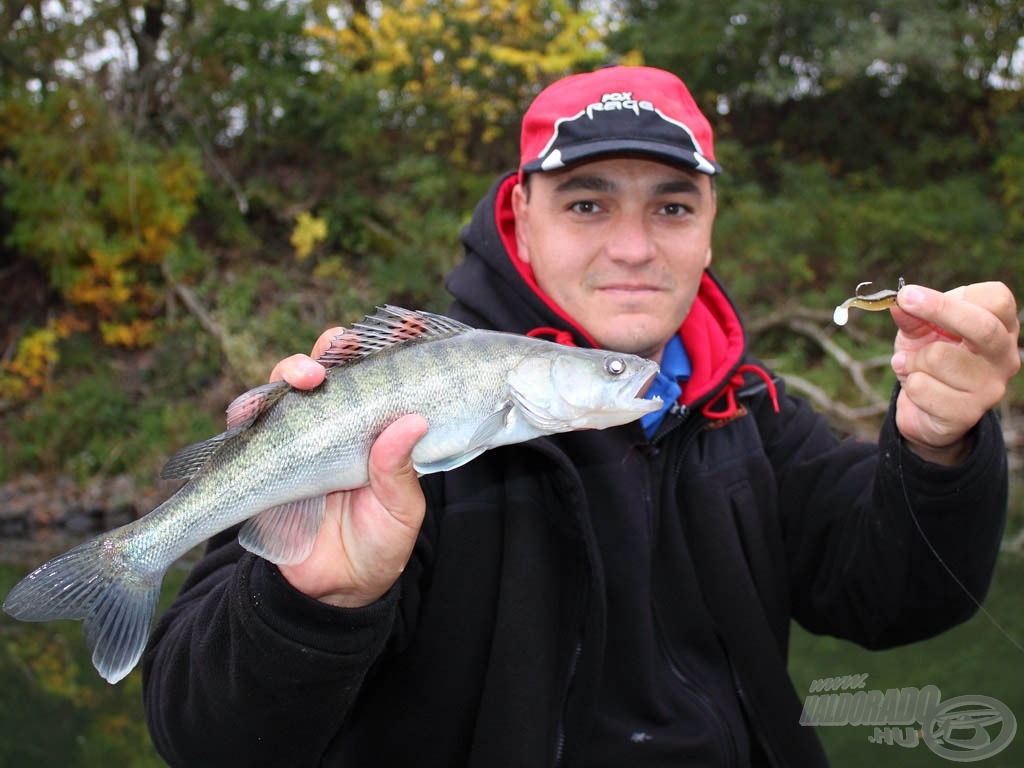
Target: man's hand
(368, 533)
(955, 354)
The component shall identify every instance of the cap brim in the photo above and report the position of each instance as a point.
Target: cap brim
(672, 154)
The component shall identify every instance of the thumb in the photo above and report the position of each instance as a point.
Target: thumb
(393, 478)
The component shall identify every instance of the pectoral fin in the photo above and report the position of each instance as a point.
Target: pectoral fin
(491, 426)
(284, 534)
(247, 407)
(478, 443)
(449, 463)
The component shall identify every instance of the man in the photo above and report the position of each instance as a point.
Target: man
(606, 598)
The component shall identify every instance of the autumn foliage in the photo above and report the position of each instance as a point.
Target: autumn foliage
(189, 192)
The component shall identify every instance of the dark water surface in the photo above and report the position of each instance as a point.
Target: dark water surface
(56, 711)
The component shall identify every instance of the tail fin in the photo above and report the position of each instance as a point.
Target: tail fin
(99, 584)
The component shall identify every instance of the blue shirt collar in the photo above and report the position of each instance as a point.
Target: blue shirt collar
(675, 367)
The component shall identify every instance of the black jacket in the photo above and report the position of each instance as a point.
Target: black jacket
(490, 650)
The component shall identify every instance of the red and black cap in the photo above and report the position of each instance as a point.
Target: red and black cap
(615, 111)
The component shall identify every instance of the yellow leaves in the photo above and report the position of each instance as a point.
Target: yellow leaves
(29, 370)
(309, 231)
(131, 335)
(632, 59)
(455, 75)
(98, 208)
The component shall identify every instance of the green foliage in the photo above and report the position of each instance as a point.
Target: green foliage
(788, 50)
(817, 237)
(282, 167)
(156, 185)
(101, 422)
(99, 211)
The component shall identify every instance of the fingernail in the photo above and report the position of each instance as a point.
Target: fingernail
(911, 296)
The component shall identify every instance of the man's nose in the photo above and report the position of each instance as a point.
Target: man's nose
(631, 241)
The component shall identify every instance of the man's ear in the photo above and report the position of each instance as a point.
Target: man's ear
(707, 258)
(520, 206)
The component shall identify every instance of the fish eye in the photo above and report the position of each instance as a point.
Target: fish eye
(615, 366)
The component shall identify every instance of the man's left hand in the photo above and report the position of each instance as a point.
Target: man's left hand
(955, 354)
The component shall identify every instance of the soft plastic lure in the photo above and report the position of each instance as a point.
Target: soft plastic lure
(872, 302)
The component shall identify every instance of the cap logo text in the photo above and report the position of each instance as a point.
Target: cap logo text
(621, 100)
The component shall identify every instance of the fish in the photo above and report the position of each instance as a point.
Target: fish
(284, 449)
(872, 302)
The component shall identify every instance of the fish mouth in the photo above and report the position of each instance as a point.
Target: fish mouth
(645, 382)
(638, 386)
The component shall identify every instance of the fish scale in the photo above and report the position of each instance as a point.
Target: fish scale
(285, 449)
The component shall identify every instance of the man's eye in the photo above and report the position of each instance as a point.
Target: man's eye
(675, 209)
(585, 206)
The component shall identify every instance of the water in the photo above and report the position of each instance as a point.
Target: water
(56, 711)
(973, 659)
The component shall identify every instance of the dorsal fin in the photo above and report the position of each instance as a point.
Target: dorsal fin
(245, 408)
(344, 347)
(241, 414)
(385, 328)
(190, 459)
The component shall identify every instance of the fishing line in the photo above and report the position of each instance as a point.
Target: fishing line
(924, 537)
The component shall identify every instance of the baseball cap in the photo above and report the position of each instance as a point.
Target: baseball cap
(616, 110)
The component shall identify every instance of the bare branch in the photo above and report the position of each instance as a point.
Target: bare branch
(227, 343)
(811, 324)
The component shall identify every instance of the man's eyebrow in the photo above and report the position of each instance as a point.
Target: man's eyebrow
(679, 187)
(604, 184)
(586, 183)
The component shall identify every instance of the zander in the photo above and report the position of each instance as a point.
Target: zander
(284, 449)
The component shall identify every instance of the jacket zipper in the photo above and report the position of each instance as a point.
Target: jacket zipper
(722, 731)
(560, 736)
(755, 725)
(689, 683)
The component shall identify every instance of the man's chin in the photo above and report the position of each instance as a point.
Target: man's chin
(647, 344)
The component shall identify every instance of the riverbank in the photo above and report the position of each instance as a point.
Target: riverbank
(36, 505)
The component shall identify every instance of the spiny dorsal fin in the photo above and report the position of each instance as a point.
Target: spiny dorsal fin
(385, 328)
(344, 347)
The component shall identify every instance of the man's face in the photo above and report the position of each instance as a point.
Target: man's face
(620, 245)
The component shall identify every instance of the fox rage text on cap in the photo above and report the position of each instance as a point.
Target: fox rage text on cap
(616, 110)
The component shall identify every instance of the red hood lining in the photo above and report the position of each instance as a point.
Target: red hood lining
(712, 333)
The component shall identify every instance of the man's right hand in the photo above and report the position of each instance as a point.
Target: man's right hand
(368, 534)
